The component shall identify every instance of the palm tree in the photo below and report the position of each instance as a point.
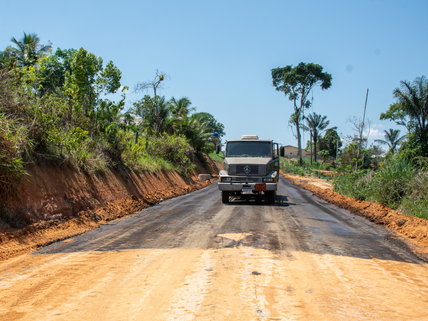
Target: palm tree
(317, 124)
(180, 107)
(413, 100)
(198, 134)
(391, 139)
(7, 59)
(29, 49)
(180, 111)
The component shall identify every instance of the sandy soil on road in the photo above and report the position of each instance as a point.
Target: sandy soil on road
(319, 182)
(193, 258)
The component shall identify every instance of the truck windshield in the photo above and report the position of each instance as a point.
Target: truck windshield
(249, 149)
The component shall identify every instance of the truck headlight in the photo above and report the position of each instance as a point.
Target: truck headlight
(225, 179)
(268, 180)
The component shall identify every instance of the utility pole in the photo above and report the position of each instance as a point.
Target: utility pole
(337, 148)
(310, 144)
(361, 130)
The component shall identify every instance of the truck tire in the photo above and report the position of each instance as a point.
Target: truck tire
(225, 197)
(271, 195)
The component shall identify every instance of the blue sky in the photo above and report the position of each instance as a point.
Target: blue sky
(219, 53)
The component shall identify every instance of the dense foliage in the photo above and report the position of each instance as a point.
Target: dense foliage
(398, 184)
(54, 107)
(397, 179)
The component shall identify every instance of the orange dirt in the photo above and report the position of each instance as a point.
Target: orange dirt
(24, 240)
(320, 182)
(413, 228)
(57, 203)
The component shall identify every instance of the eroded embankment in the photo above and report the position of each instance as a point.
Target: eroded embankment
(39, 234)
(56, 203)
(413, 228)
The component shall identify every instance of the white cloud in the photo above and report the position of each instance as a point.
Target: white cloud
(375, 134)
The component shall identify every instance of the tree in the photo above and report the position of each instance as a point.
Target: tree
(28, 50)
(180, 107)
(199, 135)
(7, 59)
(154, 112)
(332, 141)
(296, 83)
(361, 130)
(324, 154)
(316, 124)
(413, 100)
(88, 79)
(392, 139)
(411, 111)
(397, 115)
(212, 124)
(54, 69)
(155, 84)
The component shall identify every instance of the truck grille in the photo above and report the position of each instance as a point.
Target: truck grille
(246, 179)
(240, 170)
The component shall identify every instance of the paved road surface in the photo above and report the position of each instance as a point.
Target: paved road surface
(193, 258)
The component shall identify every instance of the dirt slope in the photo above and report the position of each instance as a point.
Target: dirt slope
(56, 203)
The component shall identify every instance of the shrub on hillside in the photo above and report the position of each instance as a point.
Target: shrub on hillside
(356, 184)
(390, 183)
(415, 202)
(175, 149)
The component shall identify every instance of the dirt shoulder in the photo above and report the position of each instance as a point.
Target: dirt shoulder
(319, 182)
(413, 228)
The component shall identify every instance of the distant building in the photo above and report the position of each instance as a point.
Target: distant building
(291, 152)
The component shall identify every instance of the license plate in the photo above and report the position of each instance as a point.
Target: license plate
(247, 190)
(261, 187)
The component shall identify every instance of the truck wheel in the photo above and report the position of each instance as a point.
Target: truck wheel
(271, 195)
(225, 197)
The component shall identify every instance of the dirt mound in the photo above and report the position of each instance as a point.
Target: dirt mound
(413, 228)
(13, 243)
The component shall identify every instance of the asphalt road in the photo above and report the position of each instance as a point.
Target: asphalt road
(194, 258)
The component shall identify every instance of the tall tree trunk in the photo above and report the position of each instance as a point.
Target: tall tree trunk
(299, 142)
(70, 104)
(315, 146)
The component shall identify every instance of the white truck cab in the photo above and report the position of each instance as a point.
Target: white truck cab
(251, 169)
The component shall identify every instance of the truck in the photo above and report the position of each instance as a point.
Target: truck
(251, 169)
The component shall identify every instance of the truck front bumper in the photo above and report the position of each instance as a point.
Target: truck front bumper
(237, 187)
(238, 183)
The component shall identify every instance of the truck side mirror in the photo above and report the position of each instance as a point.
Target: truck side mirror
(281, 152)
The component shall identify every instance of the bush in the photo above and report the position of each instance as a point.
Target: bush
(175, 149)
(356, 185)
(415, 203)
(136, 158)
(77, 149)
(390, 182)
(14, 143)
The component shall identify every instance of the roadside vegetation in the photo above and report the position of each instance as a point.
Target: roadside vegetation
(396, 177)
(55, 107)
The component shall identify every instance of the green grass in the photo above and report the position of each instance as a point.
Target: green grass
(398, 184)
(292, 166)
(415, 203)
(216, 157)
